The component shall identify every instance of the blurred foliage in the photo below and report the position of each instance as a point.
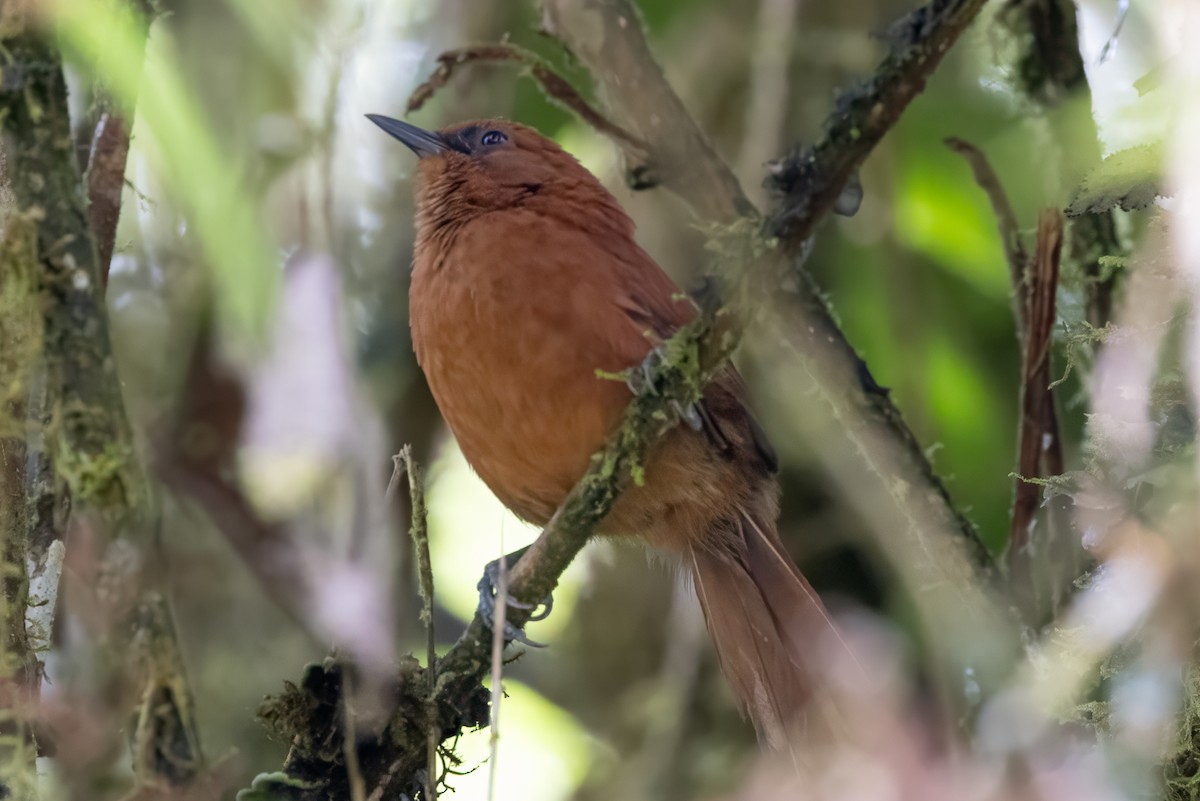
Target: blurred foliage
(250, 142)
(185, 151)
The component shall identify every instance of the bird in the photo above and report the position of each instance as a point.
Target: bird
(528, 290)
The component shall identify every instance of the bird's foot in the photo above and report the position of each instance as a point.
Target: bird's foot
(641, 379)
(488, 591)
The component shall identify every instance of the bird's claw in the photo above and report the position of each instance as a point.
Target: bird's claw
(487, 604)
(689, 414)
(641, 379)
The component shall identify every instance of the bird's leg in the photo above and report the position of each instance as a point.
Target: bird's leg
(487, 601)
(641, 379)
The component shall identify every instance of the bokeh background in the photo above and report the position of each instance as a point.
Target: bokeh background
(627, 701)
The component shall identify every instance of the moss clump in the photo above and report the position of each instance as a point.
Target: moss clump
(1181, 768)
(20, 320)
(103, 479)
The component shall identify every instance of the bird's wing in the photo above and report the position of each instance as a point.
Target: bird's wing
(657, 308)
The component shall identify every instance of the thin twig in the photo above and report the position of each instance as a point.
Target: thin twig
(498, 623)
(1039, 442)
(420, 537)
(1006, 220)
(556, 87)
(1040, 568)
(1110, 44)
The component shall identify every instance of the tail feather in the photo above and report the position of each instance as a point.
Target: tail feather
(765, 620)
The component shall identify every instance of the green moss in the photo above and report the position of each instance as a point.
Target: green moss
(1181, 768)
(20, 322)
(103, 479)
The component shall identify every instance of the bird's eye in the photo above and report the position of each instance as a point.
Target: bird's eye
(492, 138)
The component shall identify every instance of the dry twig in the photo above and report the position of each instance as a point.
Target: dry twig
(1040, 452)
(1039, 441)
(420, 536)
(1006, 220)
(556, 87)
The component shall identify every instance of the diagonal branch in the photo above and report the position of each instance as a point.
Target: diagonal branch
(1006, 220)
(809, 180)
(105, 176)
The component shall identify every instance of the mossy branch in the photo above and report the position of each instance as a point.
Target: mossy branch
(808, 181)
(75, 421)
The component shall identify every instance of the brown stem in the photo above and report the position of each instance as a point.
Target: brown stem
(107, 157)
(1006, 220)
(1039, 440)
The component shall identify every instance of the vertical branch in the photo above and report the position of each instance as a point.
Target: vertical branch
(1040, 449)
(166, 748)
(499, 621)
(21, 338)
(109, 154)
(766, 110)
(1041, 568)
(1006, 221)
(1039, 442)
(420, 536)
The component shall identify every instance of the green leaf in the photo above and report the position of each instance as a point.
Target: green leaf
(1128, 179)
(276, 786)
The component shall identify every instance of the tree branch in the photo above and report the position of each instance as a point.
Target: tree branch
(1040, 452)
(1039, 440)
(1006, 220)
(76, 416)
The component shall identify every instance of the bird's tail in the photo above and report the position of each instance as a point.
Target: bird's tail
(766, 622)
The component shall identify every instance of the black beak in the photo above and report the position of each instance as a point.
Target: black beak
(420, 141)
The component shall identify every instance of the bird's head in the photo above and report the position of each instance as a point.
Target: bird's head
(486, 165)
